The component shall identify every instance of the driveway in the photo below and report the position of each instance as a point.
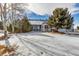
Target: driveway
(42, 43)
(45, 44)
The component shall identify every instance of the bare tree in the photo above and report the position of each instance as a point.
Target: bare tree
(17, 10)
(13, 10)
(3, 17)
(8, 12)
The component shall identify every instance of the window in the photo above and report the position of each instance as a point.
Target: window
(46, 26)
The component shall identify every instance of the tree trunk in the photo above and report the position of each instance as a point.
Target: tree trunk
(12, 18)
(4, 21)
(12, 28)
(3, 17)
(5, 34)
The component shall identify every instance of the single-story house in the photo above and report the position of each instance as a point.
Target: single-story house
(39, 25)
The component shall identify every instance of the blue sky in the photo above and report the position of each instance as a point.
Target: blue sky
(76, 19)
(47, 8)
(76, 14)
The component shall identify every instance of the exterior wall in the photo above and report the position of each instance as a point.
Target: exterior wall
(40, 26)
(43, 28)
(46, 28)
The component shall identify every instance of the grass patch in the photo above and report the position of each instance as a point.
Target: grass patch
(6, 51)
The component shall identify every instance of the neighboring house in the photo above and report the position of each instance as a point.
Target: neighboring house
(40, 25)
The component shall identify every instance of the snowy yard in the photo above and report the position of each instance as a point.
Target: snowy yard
(43, 43)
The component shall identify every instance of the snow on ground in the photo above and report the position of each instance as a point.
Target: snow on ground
(13, 40)
(1, 34)
(43, 43)
(73, 40)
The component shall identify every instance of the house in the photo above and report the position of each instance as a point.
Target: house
(40, 25)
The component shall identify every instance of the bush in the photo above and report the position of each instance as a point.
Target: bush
(9, 28)
(78, 27)
(26, 27)
(6, 51)
(20, 26)
(1, 25)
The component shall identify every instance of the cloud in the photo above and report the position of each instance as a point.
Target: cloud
(75, 26)
(47, 8)
(75, 11)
